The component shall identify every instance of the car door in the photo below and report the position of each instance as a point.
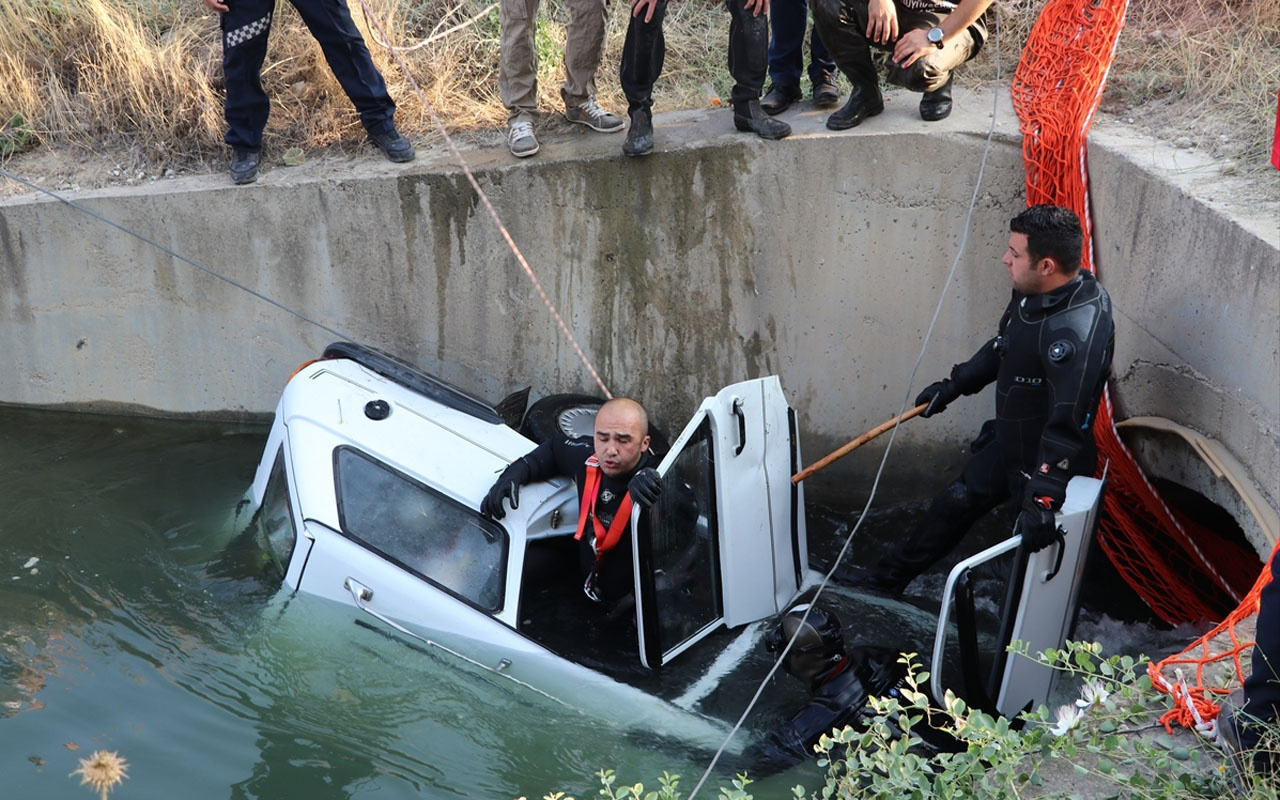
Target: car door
(1039, 609)
(725, 544)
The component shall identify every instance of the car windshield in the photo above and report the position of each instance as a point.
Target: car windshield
(419, 529)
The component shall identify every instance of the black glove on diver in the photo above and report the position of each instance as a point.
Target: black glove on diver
(938, 396)
(507, 486)
(645, 487)
(1037, 525)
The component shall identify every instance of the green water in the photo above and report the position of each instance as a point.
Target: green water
(125, 629)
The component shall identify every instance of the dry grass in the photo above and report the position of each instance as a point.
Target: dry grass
(143, 77)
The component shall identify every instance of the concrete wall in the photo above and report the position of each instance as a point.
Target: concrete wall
(721, 257)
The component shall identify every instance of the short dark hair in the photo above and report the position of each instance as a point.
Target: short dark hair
(1052, 232)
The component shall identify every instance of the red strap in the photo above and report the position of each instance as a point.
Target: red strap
(605, 540)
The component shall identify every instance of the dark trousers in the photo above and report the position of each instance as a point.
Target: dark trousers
(1262, 687)
(245, 29)
(644, 50)
(842, 24)
(788, 20)
(985, 483)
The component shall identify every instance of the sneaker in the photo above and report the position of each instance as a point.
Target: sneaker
(521, 141)
(594, 117)
(244, 165)
(393, 145)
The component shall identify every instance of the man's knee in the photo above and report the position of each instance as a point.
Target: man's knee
(827, 13)
(922, 76)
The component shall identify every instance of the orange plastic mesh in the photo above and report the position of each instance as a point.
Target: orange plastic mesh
(1194, 705)
(1056, 90)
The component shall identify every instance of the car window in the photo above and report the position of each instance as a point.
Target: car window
(275, 519)
(421, 530)
(681, 557)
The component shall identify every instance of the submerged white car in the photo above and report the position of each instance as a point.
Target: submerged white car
(368, 494)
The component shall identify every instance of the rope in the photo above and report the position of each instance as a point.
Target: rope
(884, 459)
(1194, 706)
(376, 26)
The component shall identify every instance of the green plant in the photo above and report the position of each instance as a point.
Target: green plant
(16, 136)
(1108, 743)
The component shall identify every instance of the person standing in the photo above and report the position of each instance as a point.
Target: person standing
(518, 70)
(246, 25)
(788, 20)
(928, 40)
(645, 49)
(1049, 360)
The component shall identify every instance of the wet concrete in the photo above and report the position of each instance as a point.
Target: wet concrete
(820, 258)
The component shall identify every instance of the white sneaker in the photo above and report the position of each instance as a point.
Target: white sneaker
(594, 117)
(520, 139)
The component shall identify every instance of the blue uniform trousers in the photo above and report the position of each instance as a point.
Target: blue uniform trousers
(245, 28)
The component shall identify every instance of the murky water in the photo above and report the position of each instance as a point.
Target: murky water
(125, 627)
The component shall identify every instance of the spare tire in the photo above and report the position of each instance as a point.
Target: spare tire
(574, 415)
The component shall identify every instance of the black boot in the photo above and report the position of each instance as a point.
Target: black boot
(779, 98)
(863, 102)
(640, 135)
(936, 105)
(750, 116)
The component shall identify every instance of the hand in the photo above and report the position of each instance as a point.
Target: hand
(216, 5)
(938, 396)
(756, 7)
(646, 7)
(913, 46)
(1038, 526)
(645, 487)
(882, 21)
(507, 487)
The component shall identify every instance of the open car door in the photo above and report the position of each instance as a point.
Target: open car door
(1039, 609)
(725, 544)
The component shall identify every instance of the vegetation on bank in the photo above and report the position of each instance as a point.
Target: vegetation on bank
(143, 77)
(1108, 743)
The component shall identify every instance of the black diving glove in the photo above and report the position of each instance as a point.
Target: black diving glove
(937, 396)
(506, 487)
(1038, 526)
(645, 487)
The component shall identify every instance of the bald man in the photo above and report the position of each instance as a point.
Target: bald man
(613, 470)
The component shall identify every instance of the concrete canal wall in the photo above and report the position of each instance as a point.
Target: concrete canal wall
(721, 257)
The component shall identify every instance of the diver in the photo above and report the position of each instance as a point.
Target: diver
(839, 683)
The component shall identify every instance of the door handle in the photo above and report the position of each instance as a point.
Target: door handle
(742, 425)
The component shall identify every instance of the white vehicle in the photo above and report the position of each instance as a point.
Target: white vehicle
(368, 494)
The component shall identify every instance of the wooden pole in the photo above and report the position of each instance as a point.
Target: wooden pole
(834, 456)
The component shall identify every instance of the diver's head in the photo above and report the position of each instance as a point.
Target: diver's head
(818, 643)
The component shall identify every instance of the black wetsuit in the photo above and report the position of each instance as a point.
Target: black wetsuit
(568, 457)
(839, 697)
(1050, 362)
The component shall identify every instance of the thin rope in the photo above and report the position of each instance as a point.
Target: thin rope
(174, 254)
(484, 199)
(884, 459)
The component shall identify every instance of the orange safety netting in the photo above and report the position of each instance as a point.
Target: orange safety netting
(1056, 90)
(1193, 700)
(1164, 556)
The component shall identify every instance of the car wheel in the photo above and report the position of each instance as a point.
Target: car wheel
(574, 415)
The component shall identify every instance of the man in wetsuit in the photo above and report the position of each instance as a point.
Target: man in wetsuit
(613, 470)
(1049, 360)
(839, 685)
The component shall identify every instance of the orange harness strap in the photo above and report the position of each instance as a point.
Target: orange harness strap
(604, 540)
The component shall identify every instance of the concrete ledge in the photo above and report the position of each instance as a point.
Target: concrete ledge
(820, 257)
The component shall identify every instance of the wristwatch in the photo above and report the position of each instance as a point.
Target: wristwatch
(935, 36)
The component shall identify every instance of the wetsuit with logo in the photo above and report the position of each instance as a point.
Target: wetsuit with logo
(563, 456)
(1049, 361)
